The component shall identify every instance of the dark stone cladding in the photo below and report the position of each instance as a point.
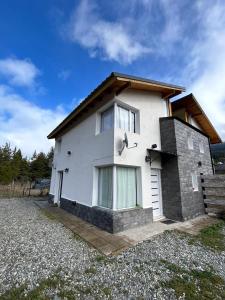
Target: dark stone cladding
(180, 202)
(50, 198)
(107, 219)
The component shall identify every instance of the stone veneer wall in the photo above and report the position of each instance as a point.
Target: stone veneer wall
(107, 219)
(180, 202)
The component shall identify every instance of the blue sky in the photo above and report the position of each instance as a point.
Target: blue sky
(53, 53)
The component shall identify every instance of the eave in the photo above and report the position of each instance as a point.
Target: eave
(112, 85)
(194, 109)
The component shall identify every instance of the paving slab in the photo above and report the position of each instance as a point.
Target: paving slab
(106, 243)
(148, 231)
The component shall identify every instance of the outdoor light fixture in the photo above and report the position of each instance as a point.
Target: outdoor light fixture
(199, 164)
(69, 152)
(154, 146)
(66, 170)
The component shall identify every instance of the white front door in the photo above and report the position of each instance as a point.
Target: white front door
(156, 193)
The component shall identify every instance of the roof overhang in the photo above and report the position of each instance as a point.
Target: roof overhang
(112, 85)
(194, 109)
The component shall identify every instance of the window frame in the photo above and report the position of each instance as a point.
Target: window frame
(111, 108)
(112, 188)
(131, 112)
(114, 204)
(58, 145)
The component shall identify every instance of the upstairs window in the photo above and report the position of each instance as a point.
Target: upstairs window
(107, 119)
(58, 145)
(190, 142)
(126, 119)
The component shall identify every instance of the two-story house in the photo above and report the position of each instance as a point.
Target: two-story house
(127, 156)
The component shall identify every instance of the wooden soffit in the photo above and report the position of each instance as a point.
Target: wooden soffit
(193, 108)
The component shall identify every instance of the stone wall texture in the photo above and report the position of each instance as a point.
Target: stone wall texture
(180, 201)
(107, 219)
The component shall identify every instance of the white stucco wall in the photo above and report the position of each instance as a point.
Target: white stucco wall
(150, 107)
(91, 149)
(88, 149)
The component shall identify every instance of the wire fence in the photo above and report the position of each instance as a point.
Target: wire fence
(26, 189)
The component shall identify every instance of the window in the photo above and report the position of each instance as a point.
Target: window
(58, 145)
(105, 187)
(190, 143)
(201, 147)
(126, 187)
(194, 179)
(126, 119)
(107, 119)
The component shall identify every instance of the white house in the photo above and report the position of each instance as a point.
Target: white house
(168, 145)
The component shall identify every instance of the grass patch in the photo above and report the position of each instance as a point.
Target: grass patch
(38, 293)
(67, 294)
(101, 258)
(90, 270)
(48, 215)
(195, 284)
(198, 285)
(170, 266)
(211, 237)
(14, 293)
(107, 291)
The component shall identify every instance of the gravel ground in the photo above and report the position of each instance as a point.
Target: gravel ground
(34, 247)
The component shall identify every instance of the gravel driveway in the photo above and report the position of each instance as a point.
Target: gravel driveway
(34, 248)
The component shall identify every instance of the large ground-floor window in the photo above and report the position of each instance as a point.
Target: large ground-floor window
(105, 187)
(117, 187)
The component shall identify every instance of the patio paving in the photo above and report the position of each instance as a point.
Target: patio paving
(106, 243)
(113, 244)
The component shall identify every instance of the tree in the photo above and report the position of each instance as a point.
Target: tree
(15, 167)
(6, 171)
(16, 163)
(39, 167)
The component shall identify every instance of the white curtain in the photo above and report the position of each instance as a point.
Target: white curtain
(126, 187)
(105, 187)
(123, 118)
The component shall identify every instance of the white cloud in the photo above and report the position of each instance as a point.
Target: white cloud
(24, 124)
(64, 74)
(109, 39)
(207, 62)
(135, 29)
(19, 72)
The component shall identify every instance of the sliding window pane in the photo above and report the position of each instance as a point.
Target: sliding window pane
(105, 188)
(123, 118)
(107, 119)
(126, 187)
